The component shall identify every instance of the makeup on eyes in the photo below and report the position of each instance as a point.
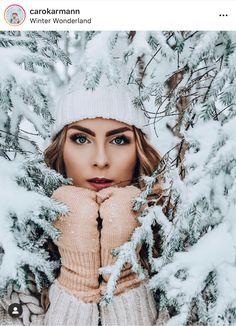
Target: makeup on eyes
(126, 139)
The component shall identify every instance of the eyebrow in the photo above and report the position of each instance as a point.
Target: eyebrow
(108, 133)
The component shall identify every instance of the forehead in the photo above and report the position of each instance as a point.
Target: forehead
(100, 123)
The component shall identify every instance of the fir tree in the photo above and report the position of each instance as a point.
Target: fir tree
(27, 228)
(198, 262)
(26, 211)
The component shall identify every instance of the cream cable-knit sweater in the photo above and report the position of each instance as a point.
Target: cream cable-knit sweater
(84, 247)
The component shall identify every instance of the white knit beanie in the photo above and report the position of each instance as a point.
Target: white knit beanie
(110, 101)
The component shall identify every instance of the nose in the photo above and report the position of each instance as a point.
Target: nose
(101, 157)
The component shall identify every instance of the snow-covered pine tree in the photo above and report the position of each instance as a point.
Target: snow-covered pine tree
(26, 59)
(26, 211)
(198, 269)
(26, 216)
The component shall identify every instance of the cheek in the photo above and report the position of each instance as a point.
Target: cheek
(70, 159)
(126, 161)
(75, 159)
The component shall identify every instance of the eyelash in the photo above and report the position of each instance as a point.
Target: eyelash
(76, 136)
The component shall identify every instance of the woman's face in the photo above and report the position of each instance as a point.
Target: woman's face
(100, 148)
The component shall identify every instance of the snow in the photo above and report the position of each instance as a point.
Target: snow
(9, 67)
(18, 201)
(20, 109)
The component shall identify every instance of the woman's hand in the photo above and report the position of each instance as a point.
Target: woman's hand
(79, 227)
(119, 220)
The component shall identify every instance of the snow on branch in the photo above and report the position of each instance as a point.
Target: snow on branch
(128, 252)
(185, 277)
(26, 228)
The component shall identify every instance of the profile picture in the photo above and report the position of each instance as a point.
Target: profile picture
(15, 15)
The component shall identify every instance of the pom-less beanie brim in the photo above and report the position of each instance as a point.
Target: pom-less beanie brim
(106, 101)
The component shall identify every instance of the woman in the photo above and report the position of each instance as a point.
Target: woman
(102, 143)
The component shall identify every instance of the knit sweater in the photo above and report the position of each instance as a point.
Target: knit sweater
(84, 247)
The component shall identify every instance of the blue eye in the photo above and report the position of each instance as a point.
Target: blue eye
(81, 138)
(121, 140)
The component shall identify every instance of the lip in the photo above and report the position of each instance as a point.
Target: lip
(100, 180)
(103, 183)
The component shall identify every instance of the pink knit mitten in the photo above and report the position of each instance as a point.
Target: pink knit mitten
(79, 243)
(119, 220)
(79, 227)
